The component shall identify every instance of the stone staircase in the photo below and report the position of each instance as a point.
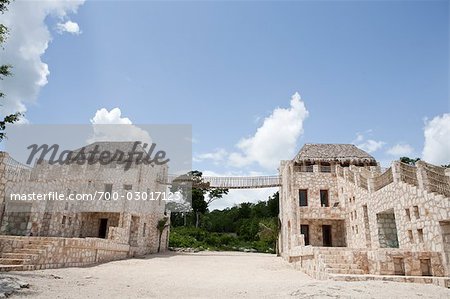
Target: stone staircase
(27, 257)
(340, 261)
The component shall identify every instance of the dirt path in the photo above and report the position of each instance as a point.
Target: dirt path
(206, 275)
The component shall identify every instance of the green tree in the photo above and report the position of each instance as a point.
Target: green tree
(408, 160)
(5, 70)
(245, 210)
(268, 231)
(199, 205)
(273, 204)
(244, 226)
(193, 187)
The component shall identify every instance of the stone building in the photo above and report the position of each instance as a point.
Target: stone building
(343, 216)
(111, 213)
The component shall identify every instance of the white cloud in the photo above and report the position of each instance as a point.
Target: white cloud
(436, 148)
(69, 26)
(219, 155)
(371, 146)
(111, 126)
(113, 117)
(275, 140)
(27, 42)
(368, 145)
(400, 150)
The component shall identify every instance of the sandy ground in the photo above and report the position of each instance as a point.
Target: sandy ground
(206, 275)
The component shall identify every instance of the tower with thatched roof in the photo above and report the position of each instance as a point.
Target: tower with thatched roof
(340, 214)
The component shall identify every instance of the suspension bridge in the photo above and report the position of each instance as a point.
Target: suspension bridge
(235, 182)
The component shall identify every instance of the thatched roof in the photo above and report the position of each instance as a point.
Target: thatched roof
(333, 152)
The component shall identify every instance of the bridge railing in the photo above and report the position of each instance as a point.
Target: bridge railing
(235, 182)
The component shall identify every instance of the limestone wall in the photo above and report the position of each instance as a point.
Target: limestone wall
(292, 215)
(410, 263)
(405, 207)
(67, 252)
(131, 222)
(315, 231)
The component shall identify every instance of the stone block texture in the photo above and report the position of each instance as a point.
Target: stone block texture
(337, 206)
(80, 232)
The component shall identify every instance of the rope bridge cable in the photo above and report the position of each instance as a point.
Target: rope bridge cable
(235, 182)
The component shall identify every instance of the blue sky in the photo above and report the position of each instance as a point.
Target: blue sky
(366, 71)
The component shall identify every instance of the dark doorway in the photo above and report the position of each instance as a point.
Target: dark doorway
(326, 234)
(103, 227)
(304, 230)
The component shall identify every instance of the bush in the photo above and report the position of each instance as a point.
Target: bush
(180, 240)
(191, 237)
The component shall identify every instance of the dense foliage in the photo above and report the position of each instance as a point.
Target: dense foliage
(248, 226)
(200, 193)
(408, 160)
(5, 71)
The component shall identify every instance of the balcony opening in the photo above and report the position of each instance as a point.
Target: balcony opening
(304, 230)
(324, 201)
(416, 212)
(303, 197)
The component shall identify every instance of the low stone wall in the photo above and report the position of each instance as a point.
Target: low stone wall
(408, 263)
(10, 244)
(57, 252)
(388, 261)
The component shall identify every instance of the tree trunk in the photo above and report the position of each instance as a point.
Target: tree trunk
(197, 217)
(185, 220)
(159, 241)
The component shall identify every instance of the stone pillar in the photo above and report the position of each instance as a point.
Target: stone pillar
(370, 185)
(396, 172)
(357, 178)
(316, 168)
(294, 207)
(125, 223)
(421, 175)
(3, 156)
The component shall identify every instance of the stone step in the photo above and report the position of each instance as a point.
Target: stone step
(40, 242)
(344, 271)
(336, 260)
(14, 255)
(36, 246)
(6, 268)
(339, 253)
(342, 266)
(30, 251)
(334, 250)
(11, 261)
(441, 281)
(335, 255)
